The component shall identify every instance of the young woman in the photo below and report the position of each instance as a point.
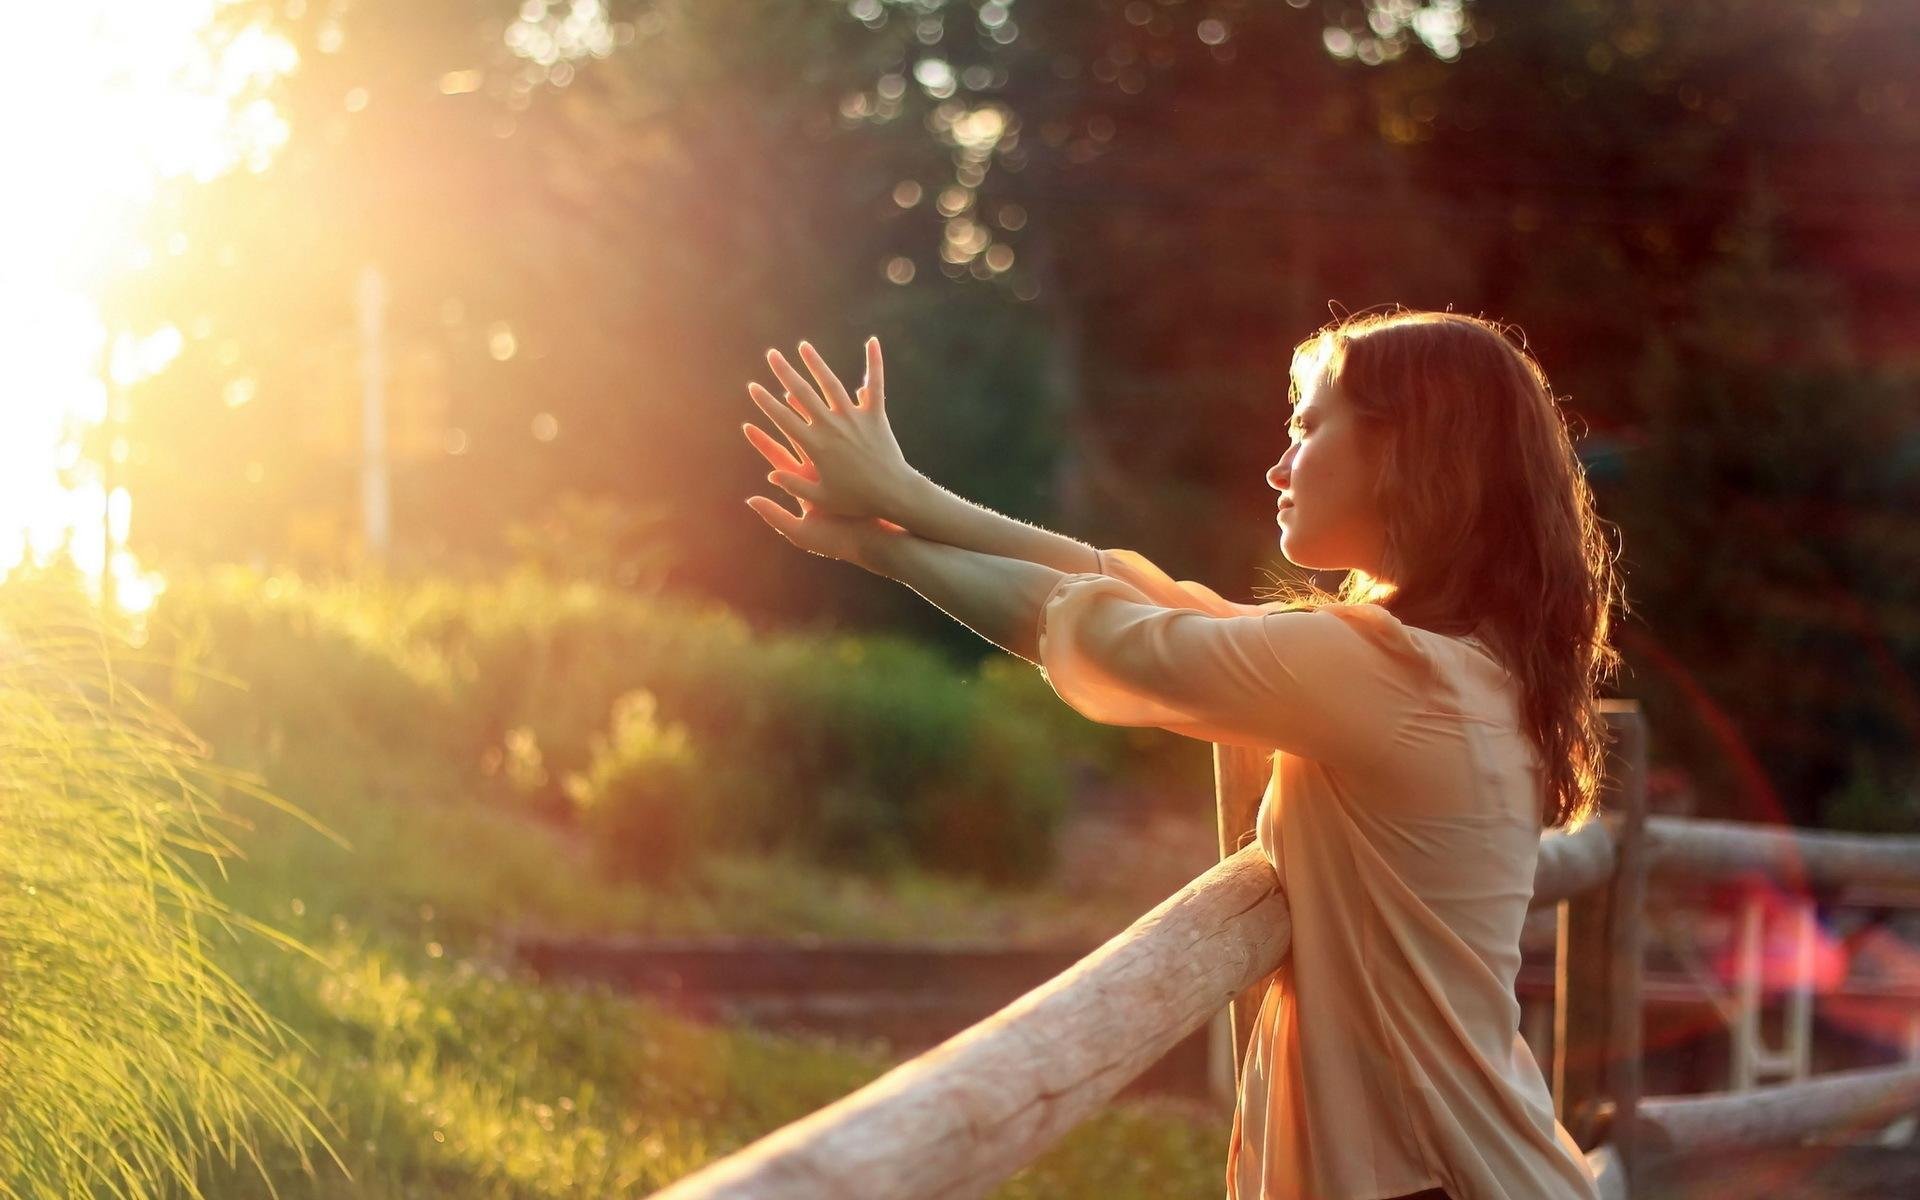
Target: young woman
(1428, 721)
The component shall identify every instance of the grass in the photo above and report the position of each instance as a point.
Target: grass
(129, 1057)
(336, 1018)
(450, 1077)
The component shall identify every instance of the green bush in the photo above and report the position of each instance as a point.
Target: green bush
(862, 751)
(904, 761)
(641, 798)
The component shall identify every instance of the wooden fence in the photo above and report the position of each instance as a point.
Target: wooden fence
(959, 1119)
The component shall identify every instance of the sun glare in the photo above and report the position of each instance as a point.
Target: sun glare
(113, 103)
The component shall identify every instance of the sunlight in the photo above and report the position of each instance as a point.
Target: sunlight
(134, 97)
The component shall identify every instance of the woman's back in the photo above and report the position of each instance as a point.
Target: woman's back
(1387, 1057)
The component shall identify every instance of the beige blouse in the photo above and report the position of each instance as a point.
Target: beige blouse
(1403, 821)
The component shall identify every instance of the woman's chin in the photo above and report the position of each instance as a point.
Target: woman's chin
(1296, 554)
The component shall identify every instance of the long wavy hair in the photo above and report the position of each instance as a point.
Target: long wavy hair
(1490, 525)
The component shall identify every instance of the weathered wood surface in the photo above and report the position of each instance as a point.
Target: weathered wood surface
(1571, 863)
(1596, 1056)
(1837, 1102)
(1626, 921)
(1240, 778)
(961, 1118)
(1700, 850)
(1691, 848)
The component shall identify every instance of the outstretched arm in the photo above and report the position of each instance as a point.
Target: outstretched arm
(938, 515)
(998, 598)
(1261, 681)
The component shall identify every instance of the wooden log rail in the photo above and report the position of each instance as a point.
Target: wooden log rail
(1837, 1102)
(1694, 849)
(959, 1119)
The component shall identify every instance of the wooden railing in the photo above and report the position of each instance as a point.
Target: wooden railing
(959, 1119)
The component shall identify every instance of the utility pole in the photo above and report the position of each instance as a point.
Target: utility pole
(110, 429)
(374, 510)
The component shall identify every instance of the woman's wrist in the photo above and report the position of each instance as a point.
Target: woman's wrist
(933, 513)
(877, 546)
(914, 499)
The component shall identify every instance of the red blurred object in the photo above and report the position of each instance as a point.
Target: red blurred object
(1780, 944)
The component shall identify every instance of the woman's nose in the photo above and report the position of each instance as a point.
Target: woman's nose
(1280, 474)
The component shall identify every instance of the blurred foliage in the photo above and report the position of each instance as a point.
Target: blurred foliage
(595, 540)
(642, 797)
(130, 1059)
(1087, 235)
(866, 752)
(1770, 542)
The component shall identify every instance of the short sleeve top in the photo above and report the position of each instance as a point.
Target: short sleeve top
(1402, 818)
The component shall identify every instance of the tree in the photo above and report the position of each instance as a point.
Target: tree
(1112, 221)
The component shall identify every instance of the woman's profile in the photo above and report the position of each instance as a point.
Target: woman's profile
(1428, 720)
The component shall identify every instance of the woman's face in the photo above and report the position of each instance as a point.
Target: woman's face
(1328, 517)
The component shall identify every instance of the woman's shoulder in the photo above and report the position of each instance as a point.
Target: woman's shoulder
(1363, 629)
(1374, 626)
(1367, 620)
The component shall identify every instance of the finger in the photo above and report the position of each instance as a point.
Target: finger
(784, 418)
(830, 385)
(874, 393)
(799, 486)
(806, 399)
(773, 514)
(775, 453)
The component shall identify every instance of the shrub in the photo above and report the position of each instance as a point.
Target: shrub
(861, 751)
(893, 757)
(641, 799)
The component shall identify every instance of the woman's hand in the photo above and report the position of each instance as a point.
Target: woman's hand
(849, 539)
(848, 463)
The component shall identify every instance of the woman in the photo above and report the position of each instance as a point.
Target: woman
(1427, 722)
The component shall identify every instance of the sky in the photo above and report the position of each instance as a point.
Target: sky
(131, 98)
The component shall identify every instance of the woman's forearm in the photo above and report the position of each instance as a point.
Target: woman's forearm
(997, 597)
(935, 514)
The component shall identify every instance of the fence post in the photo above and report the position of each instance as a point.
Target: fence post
(1240, 778)
(1597, 1007)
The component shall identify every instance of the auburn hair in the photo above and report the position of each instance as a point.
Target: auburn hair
(1490, 524)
